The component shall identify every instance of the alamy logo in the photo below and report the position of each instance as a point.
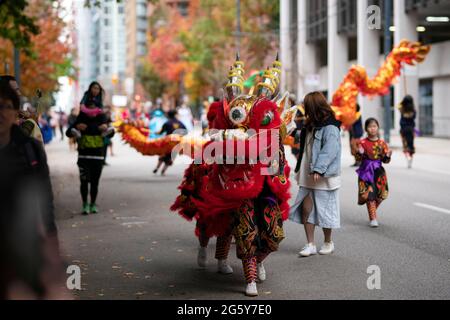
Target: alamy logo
(74, 280)
(374, 280)
(374, 17)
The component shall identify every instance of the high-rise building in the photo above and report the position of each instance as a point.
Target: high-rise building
(86, 41)
(136, 20)
(111, 45)
(321, 39)
(101, 45)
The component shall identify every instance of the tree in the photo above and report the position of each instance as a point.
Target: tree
(16, 25)
(49, 57)
(199, 49)
(151, 81)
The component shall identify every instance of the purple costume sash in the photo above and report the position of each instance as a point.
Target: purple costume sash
(366, 171)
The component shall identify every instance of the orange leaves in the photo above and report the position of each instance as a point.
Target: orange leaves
(166, 56)
(41, 69)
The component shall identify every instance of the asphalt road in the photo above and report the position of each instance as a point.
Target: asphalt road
(137, 249)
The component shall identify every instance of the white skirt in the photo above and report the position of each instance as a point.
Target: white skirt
(325, 212)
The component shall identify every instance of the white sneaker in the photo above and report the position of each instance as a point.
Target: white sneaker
(251, 290)
(374, 224)
(410, 163)
(261, 272)
(327, 248)
(308, 250)
(223, 267)
(201, 257)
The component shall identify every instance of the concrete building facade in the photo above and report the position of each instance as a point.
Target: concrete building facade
(87, 46)
(136, 20)
(101, 45)
(321, 39)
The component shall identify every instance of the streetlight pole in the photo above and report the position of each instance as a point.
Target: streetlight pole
(387, 49)
(17, 65)
(238, 25)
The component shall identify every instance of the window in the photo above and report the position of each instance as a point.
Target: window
(106, 58)
(426, 126)
(121, 10)
(317, 20)
(411, 5)
(107, 46)
(352, 48)
(322, 51)
(106, 22)
(347, 20)
(106, 69)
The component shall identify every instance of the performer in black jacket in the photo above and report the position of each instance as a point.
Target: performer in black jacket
(29, 250)
(90, 129)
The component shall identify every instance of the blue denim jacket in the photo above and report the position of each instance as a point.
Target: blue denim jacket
(326, 151)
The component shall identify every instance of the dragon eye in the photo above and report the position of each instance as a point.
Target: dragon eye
(237, 115)
(267, 119)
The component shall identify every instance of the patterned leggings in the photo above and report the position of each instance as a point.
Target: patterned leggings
(222, 245)
(251, 265)
(372, 207)
(258, 232)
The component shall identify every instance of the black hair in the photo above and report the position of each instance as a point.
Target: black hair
(102, 91)
(407, 104)
(369, 122)
(171, 114)
(7, 78)
(358, 107)
(8, 93)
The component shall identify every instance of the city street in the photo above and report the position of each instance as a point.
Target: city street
(147, 75)
(135, 248)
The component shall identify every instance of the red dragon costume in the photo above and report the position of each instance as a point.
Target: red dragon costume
(243, 195)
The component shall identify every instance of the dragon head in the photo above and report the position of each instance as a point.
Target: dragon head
(252, 118)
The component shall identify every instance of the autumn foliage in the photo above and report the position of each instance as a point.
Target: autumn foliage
(192, 53)
(40, 69)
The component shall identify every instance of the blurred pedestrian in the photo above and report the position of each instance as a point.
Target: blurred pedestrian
(28, 116)
(107, 139)
(11, 80)
(62, 122)
(95, 94)
(169, 128)
(30, 263)
(407, 128)
(372, 179)
(158, 119)
(319, 167)
(70, 122)
(46, 129)
(356, 132)
(299, 123)
(90, 128)
(185, 116)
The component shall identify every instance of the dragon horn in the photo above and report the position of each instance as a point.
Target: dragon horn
(269, 87)
(235, 86)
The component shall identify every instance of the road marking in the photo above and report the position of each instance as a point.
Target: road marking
(430, 207)
(434, 171)
(134, 223)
